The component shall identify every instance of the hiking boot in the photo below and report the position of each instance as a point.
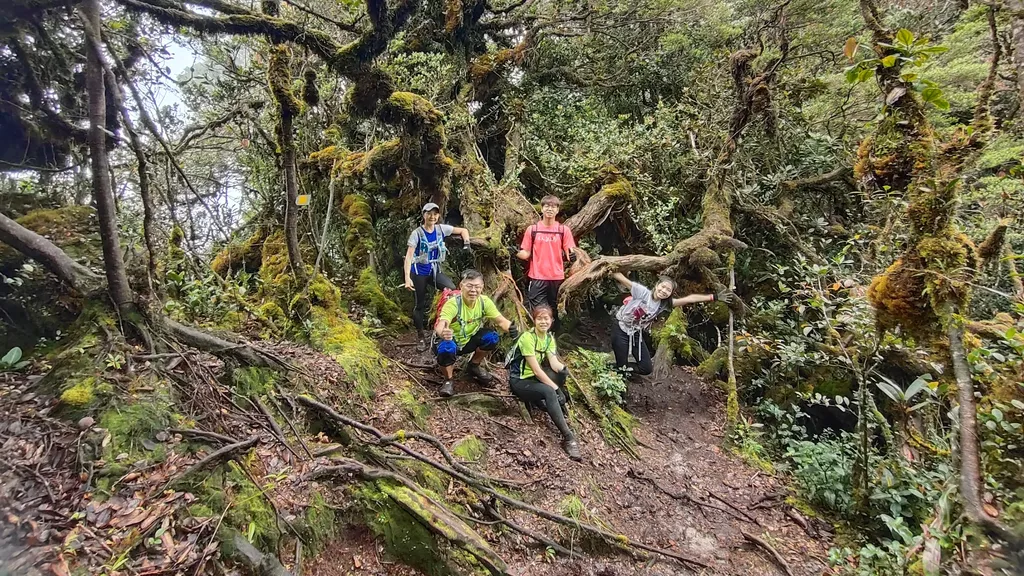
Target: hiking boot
(447, 389)
(479, 374)
(572, 448)
(423, 345)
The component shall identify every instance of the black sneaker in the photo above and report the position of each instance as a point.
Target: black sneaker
(448, 388)
(423, 345)
(479, 374)
(572, 448)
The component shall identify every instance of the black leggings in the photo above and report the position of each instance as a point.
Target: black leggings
(533, 391)
(421, 283)
(621, 345)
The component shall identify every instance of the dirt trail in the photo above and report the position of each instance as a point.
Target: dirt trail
(686, 493)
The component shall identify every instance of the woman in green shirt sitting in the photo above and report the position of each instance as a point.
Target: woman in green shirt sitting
(537, 376)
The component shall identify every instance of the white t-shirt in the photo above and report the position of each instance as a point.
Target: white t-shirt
(640, 312)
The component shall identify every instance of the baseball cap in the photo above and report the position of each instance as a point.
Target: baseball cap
(430, 206)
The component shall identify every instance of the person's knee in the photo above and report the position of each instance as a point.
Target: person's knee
(489, 340)
(446, 352)
(645, 369)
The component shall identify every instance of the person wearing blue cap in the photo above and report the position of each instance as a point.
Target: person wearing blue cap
(423, 257)
(460, 326)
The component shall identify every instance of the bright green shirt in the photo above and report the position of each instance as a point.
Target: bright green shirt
(471, 319)
(531, 345)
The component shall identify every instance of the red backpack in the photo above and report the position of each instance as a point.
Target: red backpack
(446, 295)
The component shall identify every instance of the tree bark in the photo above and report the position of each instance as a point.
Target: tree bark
(291, 185)
(970, 461)
(1017, 41)
(117, 279)
(48, 255)
(148, 208)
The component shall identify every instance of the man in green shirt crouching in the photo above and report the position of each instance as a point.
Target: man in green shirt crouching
(460, 326)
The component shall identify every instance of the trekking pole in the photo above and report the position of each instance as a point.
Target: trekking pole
(732, 408)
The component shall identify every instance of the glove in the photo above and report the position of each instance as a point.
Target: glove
(467, 247)
(513, 331)
(513, 251)
(725, 296)
(572, 257)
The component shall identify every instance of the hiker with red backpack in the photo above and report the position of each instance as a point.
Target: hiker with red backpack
(460, 327)
(639, 310)
(546, 246)
(426, 251)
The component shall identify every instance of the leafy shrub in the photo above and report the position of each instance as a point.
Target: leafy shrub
(823, 471)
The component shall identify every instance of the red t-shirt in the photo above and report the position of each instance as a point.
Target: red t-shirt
(547, 248)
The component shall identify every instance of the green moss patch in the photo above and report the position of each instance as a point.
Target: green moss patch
(343, 340)
(470, 448)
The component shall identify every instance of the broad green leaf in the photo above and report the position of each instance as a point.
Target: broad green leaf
(931, 94)
(851, 74)
(866, 74)
(889, 61)
(905, 37)
(915, 387)
(941, 104)
(12, 357)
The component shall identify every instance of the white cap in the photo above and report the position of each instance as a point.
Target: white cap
(430, 206)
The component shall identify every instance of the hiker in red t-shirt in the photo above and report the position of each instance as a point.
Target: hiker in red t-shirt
(546, 245)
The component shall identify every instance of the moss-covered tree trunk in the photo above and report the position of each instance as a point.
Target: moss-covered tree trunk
(288, 107)
(928, 287)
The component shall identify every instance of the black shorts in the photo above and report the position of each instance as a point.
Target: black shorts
(543, 292)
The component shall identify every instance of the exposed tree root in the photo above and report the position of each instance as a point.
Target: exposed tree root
(771, 550)
(215, 458)
(476, 482)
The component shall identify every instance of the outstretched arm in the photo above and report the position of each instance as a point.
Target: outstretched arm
(692, 299)
(626, 283)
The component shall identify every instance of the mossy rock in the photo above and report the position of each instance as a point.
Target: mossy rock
(417, 409)
(481, 403)
(470, 449)
(318, 524)
(368, 293)
(138, 418)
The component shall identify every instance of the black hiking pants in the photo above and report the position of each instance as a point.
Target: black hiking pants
(622, 346)
(544, 292)
(438, 280)
(537, 393)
